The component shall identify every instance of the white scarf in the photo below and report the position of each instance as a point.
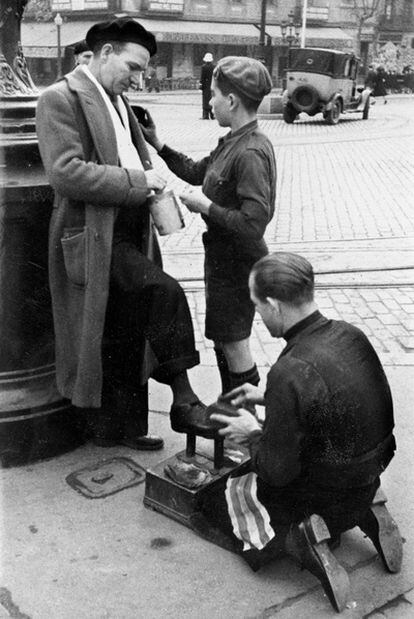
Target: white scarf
(127, 153)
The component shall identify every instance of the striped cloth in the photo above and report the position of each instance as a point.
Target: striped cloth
(250, 520)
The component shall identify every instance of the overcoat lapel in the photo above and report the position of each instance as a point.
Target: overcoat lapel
(96, 115)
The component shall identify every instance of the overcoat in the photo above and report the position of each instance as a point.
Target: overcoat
(78, 147)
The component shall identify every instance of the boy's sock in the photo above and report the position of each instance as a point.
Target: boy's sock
(223, 368)
(239, 378)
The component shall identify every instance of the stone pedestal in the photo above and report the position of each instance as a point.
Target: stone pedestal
(35, 422)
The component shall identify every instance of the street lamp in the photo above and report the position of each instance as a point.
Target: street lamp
(290, 31)
(290, 36)
(58, 23)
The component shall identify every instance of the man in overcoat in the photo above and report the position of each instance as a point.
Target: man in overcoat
(118, 318)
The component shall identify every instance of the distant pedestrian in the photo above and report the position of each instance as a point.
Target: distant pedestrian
(82, 53)
(380, 89)
(207, 69)
(151, 80)
(371, 78)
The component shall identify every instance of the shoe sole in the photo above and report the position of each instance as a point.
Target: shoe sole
(387, 541)
(324, 565)
(211, 433)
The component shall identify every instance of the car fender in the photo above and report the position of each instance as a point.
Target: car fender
(285, 97)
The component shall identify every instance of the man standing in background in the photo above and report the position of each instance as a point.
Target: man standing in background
(82, 53)
(207, 69)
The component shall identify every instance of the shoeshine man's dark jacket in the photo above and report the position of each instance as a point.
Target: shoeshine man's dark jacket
(329, 414)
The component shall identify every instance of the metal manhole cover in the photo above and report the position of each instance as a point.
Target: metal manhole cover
(106, 477)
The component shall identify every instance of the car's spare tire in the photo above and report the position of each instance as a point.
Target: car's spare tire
(305, 98)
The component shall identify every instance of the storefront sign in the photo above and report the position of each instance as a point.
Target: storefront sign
(194, 37)
(40, 52)
(166, 6)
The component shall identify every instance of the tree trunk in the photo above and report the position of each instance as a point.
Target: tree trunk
(10, 18)
(14, 75)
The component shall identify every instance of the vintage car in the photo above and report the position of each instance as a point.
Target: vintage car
(323, 80)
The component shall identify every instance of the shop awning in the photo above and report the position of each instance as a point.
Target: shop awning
(316, 37)
(39, 40)
(181, 31)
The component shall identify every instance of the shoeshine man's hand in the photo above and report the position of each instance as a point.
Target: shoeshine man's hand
(238, 429)
(244, 395)
(155, 181)
(195, 200)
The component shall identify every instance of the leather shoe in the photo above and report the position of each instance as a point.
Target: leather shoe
(382, 530)
(191, 418)
(141, 443)
(308, 544)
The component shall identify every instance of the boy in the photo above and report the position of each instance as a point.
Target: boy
(236, 201)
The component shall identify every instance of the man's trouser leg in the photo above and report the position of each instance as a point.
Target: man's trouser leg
(144, 304)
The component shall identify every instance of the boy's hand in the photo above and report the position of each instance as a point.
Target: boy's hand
(195, 200)
(150, 132)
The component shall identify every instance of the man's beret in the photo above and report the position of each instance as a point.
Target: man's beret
(123, 30)
(81, 47)
(248, 76)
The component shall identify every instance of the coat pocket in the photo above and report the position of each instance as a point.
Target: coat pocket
(76, 255)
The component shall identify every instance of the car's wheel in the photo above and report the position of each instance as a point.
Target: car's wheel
(305, 98)
(289, 113)
(365, 112)
(332, 115)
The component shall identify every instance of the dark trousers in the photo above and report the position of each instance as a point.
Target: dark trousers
(214, 508)
(207, 110)
(145, 305)
(342, 509)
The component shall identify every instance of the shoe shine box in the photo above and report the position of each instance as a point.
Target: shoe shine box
(175, 500)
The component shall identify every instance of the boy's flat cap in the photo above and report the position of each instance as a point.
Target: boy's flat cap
(123, 30)
(249, 76)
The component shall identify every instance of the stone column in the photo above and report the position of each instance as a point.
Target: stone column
(35, 422)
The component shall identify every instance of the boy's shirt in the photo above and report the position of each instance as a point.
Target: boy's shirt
(239, 177)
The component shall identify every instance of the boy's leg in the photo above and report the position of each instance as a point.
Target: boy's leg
(223, 368)
(242, 368)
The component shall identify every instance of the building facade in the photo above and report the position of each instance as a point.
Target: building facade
(186, 29)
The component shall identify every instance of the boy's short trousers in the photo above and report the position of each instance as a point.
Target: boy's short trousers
(229, 310)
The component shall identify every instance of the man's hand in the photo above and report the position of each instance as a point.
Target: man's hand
(154, 180)
(238, 429)
(244, 395)
(150, 132)
(195, 200)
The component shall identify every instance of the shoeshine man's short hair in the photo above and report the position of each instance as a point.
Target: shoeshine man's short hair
(284, 276)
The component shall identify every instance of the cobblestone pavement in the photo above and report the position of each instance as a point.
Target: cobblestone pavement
(344, 200)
